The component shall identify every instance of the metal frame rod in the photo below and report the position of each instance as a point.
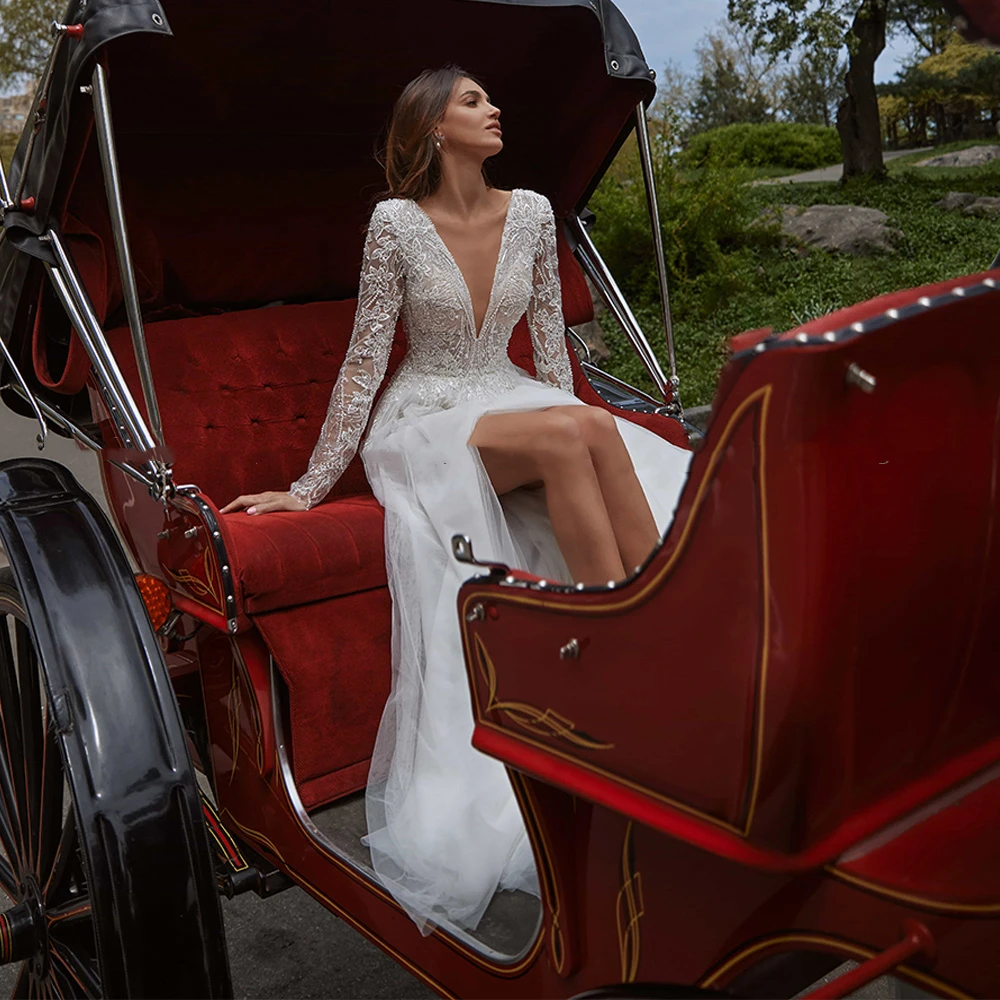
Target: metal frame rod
(81, 314)
(996, 262)
(597, 270)
(646, 159)
(78, 434)
(601, 375)
(112, 183)
(56, 418)
(29, 397)
(5, 198)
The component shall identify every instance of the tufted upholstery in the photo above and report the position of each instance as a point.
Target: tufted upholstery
(243, 395)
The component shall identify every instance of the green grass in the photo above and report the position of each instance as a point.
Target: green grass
(778, 287)
(8, 143)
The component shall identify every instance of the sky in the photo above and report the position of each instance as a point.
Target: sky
(669, 30)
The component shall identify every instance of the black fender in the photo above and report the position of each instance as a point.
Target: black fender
(157, 914)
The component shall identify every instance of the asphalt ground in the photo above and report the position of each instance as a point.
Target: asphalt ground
(285, 946)
(835, 172)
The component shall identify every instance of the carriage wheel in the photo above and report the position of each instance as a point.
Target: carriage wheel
(79, 921)
(48, 927)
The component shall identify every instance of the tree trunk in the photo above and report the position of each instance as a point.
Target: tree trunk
(857, 117)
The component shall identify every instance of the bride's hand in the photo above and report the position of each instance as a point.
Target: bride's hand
(264, 503)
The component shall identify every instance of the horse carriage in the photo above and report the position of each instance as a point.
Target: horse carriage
(774, 749)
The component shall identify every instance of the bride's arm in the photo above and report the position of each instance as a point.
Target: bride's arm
(545, 314)
(380, 296)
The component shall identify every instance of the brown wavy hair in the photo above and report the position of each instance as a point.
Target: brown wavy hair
(412, 159)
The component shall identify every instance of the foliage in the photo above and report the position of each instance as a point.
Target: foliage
(8, 143)
(735, 83)
(954, 92)
(815, 87)
(776, 144)
(25, 39)
(755, 282)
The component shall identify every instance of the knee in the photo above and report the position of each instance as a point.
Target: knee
(598, 428)
(559, 441)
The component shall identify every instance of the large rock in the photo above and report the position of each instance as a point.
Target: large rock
(974, 156)
(847, 229)
(970, 204)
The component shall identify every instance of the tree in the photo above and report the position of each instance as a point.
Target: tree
(25, 38)
(780, 25)
(735, 82)
(814, 88)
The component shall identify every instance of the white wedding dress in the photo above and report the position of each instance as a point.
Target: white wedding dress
(444, 828)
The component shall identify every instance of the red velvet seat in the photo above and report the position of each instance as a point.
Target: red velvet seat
(287, 559)
(243, 396)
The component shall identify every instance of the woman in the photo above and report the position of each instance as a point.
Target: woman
(463, 441)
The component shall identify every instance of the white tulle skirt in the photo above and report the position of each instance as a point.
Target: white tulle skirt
(445, 832)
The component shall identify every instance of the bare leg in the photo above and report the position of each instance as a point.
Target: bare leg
(519, 449)
(631, 519)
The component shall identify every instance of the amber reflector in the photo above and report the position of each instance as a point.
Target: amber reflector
(156, 597)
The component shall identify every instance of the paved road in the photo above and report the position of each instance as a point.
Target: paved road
(286, 946)
(835, 172)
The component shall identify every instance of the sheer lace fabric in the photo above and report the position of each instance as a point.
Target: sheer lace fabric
(444, 828)
(446, 361)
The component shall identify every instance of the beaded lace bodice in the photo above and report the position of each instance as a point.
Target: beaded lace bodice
(408, 267)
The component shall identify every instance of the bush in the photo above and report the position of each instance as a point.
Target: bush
(775, 144)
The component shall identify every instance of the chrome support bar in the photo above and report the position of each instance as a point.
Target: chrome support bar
(6, 201)
(600, 374)
(57, 419)
(112, 183)
(23, 390)
(593, 264)
(81, 313)
(996, 263)
(646, 159)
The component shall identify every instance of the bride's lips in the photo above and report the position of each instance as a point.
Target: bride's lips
(494, 128)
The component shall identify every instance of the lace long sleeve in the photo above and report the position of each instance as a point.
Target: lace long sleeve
(380, 296)
(545, 314)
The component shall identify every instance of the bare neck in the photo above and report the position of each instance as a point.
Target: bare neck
(462, 194)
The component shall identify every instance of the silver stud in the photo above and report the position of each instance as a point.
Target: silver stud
(571, 651)
(580, 586)
(215, 534)
(225, 569)
(231, 599)
(543, 583)
(509, 579)
(802, 338)
(924, 301)
(860, 379)
(760, 348)
(232, 626)
(892, 313)
(858, 327)
(958, 291)
(611, 584)
(830, 336)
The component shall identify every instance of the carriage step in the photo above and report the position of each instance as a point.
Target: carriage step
(239, 868)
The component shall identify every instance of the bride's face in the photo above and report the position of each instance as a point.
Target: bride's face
(470, 123)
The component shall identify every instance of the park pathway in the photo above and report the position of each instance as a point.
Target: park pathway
(834, 173)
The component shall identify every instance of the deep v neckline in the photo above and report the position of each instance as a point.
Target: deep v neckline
(470, 308)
